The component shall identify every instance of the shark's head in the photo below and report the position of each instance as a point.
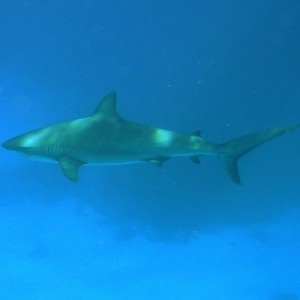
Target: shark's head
(25, 144)
(31, 144)
(19, 144)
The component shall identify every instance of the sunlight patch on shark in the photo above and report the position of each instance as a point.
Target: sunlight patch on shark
(33, 139)
(162, 137)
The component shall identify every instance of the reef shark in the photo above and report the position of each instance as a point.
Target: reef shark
(105, 138)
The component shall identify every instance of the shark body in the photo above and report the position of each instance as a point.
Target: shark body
(105, 138)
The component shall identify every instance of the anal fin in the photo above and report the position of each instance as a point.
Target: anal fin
(159, 160)
(195, 159)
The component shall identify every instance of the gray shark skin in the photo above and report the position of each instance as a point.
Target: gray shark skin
(105, 138)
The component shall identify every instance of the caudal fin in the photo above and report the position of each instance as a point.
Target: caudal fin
(232, 151)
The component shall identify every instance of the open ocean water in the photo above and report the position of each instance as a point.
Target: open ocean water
(181, 231)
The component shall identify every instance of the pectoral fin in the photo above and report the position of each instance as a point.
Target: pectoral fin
(70, 167)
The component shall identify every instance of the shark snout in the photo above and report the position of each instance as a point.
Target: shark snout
(8, 145)
(13, 144)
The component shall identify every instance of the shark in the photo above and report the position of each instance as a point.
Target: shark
(106, 138)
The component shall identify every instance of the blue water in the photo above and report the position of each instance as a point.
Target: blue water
(182, 231)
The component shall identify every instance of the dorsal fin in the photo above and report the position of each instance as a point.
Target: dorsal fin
(197, 133)
(107, 106)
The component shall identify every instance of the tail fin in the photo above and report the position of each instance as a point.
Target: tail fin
(232, 151)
